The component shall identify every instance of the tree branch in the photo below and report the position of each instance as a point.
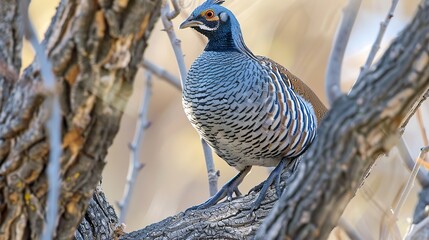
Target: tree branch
(333, 72)
(410, 182)
(422, 176)
(162, 73)
(135, 164)
(10, 52)
(376, 45)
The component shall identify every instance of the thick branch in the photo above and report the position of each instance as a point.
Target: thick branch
(10, 50)
(11, 36)
(359, 128)
(95, 49)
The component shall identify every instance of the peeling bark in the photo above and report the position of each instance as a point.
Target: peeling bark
(95, 48)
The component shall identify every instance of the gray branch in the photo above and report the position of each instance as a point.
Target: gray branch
(410, 182)
(135, 164)
(422, 176)
(333, 71)
(162, 73)
(376, 45)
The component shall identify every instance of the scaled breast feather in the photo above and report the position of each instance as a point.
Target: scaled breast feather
(301, 88)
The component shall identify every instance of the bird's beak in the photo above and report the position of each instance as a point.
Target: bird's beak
(190, 22)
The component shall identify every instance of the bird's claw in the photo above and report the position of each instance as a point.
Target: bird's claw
(274, 177)
(227, 191)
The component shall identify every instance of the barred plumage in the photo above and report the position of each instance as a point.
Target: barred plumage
(249, 109)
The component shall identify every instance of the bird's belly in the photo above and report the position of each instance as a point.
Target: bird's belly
(238, 131)
(246, 117)
(239, 153)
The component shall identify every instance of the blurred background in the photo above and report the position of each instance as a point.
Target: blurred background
(296, 33)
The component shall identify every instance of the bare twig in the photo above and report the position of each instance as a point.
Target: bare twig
(162, 73)
(176, 10)
(410, 182)
(135, 164)
(333, 72)
(376, 46)
(422, 177)
(176, 44)
(349, 230)
(422, 127)
(211, 172)
(421, 210)
(52, 125)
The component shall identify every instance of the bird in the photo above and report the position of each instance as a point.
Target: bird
(249, 109)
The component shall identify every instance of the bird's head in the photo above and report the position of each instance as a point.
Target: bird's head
(210, 18)
(219, 25)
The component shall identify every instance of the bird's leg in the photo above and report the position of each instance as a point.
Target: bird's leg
(274, 177)
(226, 191)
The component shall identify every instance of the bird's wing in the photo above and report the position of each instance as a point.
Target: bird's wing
(299, 87)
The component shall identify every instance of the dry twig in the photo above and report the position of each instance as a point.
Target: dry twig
(135, 164)
(410, 182)
(333, 72)
(376, 45)
(162, 73)
(422, 177)
(52, 125)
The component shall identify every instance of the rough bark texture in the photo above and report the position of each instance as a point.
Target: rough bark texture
(95, 48)
(100, 220)
(359, 128)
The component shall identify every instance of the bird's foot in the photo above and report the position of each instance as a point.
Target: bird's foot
(228, 190)
(274, 177)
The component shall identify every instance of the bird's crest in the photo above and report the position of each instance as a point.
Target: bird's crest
(218, 2)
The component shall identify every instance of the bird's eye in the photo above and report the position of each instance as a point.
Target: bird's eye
(209, 14)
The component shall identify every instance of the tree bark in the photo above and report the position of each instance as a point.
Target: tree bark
(100, 220)
(95, 48)
(358, 129)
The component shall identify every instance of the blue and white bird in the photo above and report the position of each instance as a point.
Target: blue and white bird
(249, 109)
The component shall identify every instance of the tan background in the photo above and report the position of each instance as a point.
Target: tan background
(295, 33)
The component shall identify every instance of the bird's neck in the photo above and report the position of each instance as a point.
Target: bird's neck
(221, 43)
(228, 39)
